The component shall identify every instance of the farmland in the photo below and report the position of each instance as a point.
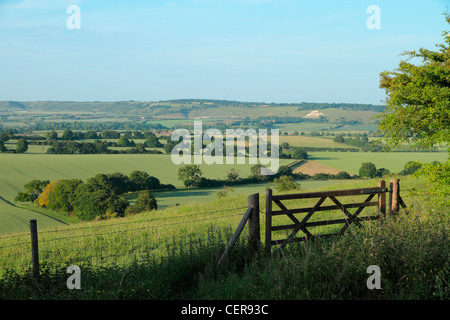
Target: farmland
(192, 225)
(18, 169)
(297, 131)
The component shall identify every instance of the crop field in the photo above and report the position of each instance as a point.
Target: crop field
(18, 169)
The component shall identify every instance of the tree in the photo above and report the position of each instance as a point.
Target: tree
(4, 136)
(125, 142)
(233, 175)
(43, 199)
(2, 146)
(339, 138)
(91, 202)
(410, 167)
(256, 171)
(22, 145)
(141, 180)
(153, 142)
(68, 135)
(190, 175)
(51, 135)
(286, 183)
(418, 98)
(343, 175)
(145, 202)
(299, 153)
(62, 195)
(368, 170)
(169, 146)
(32, 190)
(382, 172)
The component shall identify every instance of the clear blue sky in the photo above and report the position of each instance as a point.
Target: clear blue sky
(248, 50)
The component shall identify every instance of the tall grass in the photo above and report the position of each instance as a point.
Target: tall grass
(179, 261)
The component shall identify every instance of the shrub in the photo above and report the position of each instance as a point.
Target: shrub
(368, 170)
(145, 202)
(286, 183)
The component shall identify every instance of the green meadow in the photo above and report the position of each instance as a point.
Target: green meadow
(18, 169)
(393, 161)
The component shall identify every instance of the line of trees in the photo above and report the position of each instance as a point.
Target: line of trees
(192, 176)
(360, 142)
(97, 147)
(21, 145)
(99, 197)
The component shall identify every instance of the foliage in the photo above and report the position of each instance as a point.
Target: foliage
(62, 195)
(91, 202)
(190, 175)
(368, 170)
(125, 142)
(179, 260)
(100, 196)
(411, 167)
(153, 142)
(418, 102)
(343, 175)
(145, 202)
(286, 183)
(438, 177)
(233, 175)
(32, 190)
(143, 181)
(22, 145)
(43, 198)
(299, 153)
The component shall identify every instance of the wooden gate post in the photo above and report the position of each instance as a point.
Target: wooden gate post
(394, 192)
(268, 244)
(382, 199)
(254, 232)
(34, 249)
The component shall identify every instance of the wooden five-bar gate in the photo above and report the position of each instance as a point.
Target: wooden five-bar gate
(348, 218)
(304, 224)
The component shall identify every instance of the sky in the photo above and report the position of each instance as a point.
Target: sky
(282, 51)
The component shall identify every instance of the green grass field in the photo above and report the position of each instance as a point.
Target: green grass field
(153, 230)
(18, 169)
(393, 161)
(317, 142)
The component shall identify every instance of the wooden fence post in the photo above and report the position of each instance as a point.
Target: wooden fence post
(382, 199)
(268, 242)
(34, 249)
(394, 192)
(236, 235)
(254, 232)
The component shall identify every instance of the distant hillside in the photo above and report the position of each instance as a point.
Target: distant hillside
(179, 106)
(11, 106)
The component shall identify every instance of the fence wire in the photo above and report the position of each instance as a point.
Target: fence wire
(132, 250)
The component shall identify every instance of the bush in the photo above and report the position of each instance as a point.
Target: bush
(368, 170)
(343, 175)
(145, 202)
(286, 183)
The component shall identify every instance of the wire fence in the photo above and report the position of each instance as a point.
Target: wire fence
(111, 242)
